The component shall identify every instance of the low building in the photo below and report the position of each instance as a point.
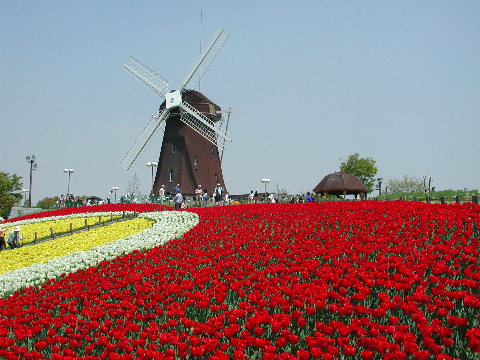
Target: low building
(340, 183)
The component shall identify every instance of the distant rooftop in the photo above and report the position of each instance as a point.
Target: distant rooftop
(340, 183)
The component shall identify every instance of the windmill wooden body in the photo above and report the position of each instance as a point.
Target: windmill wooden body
(193, 135)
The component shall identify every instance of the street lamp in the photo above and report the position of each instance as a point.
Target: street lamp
(33, 166)
(153, 165)
(265, 182)
(379, 186)
(24, 196)
(69, 172)
(114, 189)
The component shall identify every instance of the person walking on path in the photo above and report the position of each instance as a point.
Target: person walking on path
(14, 238)
(205, 197)
(198, 195)
(161, 193)
(309, 197)
(218, 192)
(250, 197)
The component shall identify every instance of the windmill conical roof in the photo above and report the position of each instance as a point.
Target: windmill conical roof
(201, 103)
(340, 183)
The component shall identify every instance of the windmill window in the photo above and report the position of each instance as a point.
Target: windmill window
(195, 161)
(170, 175)
(174, 148)
(213, 150)
(216, 178)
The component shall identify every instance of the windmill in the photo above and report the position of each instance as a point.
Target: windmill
(192, 128)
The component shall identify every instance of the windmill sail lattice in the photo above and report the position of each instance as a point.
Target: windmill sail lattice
(149, 77)
(203, 125)
(142, 139)
(206, 57)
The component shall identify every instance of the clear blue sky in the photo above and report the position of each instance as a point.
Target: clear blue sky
(311, 82)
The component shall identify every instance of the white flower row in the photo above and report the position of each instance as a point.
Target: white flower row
(168, 225)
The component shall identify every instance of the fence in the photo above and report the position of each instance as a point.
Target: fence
(438, 199)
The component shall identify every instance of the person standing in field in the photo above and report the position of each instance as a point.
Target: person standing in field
(14, 238)
(3, 244)
(178, 200)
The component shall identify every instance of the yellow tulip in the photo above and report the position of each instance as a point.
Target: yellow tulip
(44, 229)
(82, 241)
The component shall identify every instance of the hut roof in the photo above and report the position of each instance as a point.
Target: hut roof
(340, 183)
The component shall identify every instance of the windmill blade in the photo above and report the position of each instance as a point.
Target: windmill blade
(203, 125)
(155, 122)
(229, 111)
(206, 57)
(149, 77)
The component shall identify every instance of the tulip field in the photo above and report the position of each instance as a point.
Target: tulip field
(365, 280)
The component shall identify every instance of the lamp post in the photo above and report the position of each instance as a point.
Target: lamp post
(24, 196)
(153, 165)
(265, 182)
(114, 189)
(379, 186)
(69, 172)
(33, 166)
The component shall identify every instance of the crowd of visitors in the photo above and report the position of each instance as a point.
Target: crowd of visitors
(69, 200)
(201, 198)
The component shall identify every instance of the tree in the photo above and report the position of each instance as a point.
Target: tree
(133, 189)
(8, 197)
(405, 184)
(363, 168)
(48, 202)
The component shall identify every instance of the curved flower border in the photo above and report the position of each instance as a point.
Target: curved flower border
(168, 225)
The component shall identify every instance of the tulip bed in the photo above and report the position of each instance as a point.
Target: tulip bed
(106, 208)
(33, 265)
(43, 228)
(82, 241)
(357, 280)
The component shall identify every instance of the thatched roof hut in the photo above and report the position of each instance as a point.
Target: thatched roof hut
(339, 183)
